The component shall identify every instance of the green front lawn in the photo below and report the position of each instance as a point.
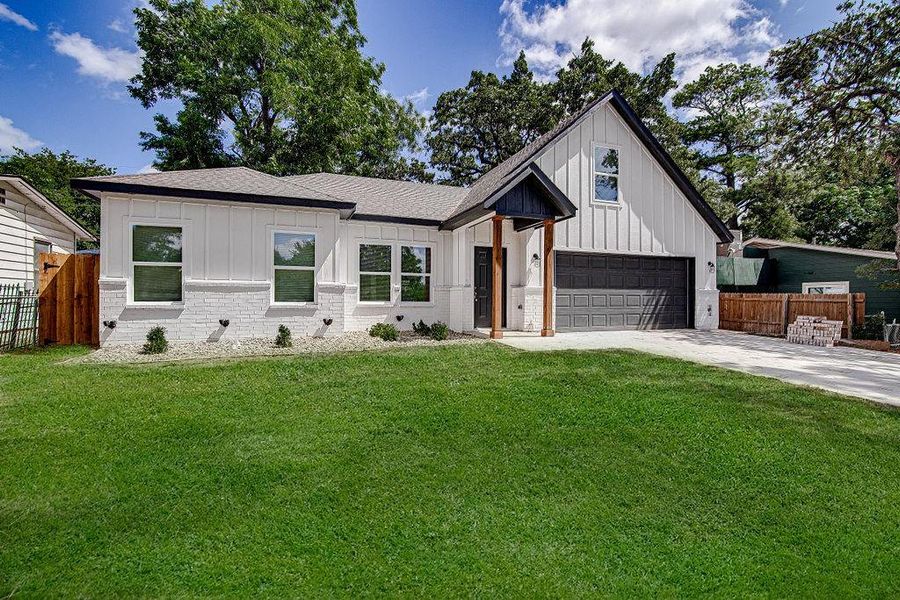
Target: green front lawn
(469, 470)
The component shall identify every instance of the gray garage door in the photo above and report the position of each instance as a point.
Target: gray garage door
(596, 292)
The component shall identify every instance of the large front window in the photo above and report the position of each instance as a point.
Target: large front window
(156, 263)
(374, 273)
(415, 274)
(295, 267)
(606, 174)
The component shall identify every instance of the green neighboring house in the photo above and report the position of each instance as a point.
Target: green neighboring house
(777, 266)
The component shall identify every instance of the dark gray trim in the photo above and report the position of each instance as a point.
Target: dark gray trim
(464, 217)
(670, 167)
(565, 206)
(401, 220)
(87, 186)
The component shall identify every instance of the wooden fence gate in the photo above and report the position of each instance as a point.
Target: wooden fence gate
(69, 292)
(770, 314)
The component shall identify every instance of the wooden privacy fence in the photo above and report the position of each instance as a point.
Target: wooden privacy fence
(18, 317)
(770, 314)
(69, 298)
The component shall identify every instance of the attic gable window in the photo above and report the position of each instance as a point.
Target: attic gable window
(606, 174)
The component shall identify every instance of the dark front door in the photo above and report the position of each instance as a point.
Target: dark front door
(597, 292)
(484, 277)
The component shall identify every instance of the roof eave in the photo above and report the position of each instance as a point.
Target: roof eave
(671, 167)
(89, 186)
(28, 190)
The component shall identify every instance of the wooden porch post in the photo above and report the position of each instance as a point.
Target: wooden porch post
(547, 330)
(497, 280)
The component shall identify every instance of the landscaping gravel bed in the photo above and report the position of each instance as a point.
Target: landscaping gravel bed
(350, 342)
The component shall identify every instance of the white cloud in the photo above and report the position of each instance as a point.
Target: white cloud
(8, 14)
(107, 64)
(118, 26)
(418, 97)
(13, 137)
(638, 33)
(148, 169)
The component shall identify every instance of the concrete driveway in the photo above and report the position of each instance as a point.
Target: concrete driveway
(862, 373)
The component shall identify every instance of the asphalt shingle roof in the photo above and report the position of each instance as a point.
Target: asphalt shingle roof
(387, 197)
(425, 204)
(228, 180)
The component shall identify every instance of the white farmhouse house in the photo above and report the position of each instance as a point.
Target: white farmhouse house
(590, 227)
(30, 224)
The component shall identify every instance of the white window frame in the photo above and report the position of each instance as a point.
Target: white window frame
(594, 173)
(390, 273)
(429, 274)
(839, 284)
(273, 268)
(132, 263)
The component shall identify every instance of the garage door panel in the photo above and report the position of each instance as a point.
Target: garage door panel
(621, 292)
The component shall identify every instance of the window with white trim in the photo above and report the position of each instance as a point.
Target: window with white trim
(827, 287)
(374, 273)
(156, 265)
(606, 174)
(415, 274)
(294, 263)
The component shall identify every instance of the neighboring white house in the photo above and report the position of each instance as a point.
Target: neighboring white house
(633, 244)
(30, 224)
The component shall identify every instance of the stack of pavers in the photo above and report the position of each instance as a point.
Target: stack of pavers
(815, 331)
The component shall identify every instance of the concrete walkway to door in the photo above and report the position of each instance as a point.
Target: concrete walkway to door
(863, 373)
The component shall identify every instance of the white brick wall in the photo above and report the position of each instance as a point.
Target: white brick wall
(246, 306)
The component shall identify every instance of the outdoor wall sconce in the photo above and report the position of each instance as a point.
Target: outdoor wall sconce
(224, 322)
(711, 267)
(110, 324)
(399, 318)
(328, 321)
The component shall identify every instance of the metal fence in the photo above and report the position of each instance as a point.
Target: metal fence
(18, 317)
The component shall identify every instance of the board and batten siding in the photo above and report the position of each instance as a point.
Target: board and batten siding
(652, 217)
(227, 261)
(22, 222)
(225, 242)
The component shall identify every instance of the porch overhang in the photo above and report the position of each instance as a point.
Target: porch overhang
(529, 198)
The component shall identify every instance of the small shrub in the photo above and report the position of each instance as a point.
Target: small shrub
(872, 328)
(385, 331)
(156, 341)
(440, 331)
(283, 339)
(421, 328)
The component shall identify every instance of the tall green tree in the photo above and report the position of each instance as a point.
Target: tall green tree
(844, 85)
(289, 79)
(588, 75)
(477, 127)
(194, 141)
(726, 131)
(50, 173)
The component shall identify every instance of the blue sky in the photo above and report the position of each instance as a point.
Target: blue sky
(63, 63)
